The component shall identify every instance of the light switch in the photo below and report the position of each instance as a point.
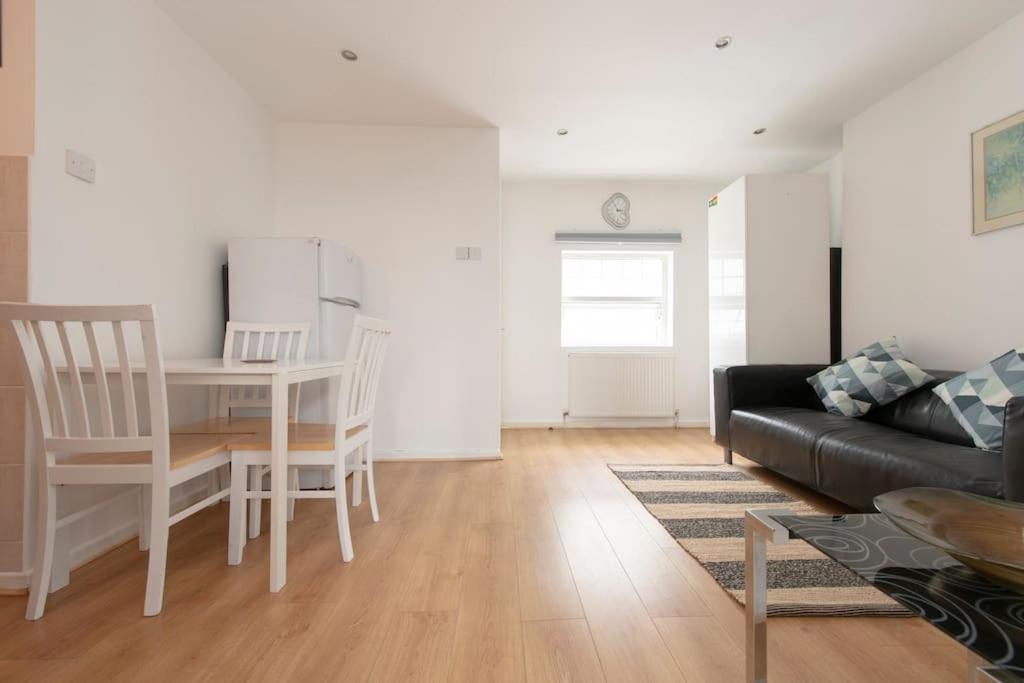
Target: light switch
(461, 253)
(475, 254)
(80, 166)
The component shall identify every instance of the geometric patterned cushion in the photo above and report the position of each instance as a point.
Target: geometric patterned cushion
(978, 398)
(874, 376)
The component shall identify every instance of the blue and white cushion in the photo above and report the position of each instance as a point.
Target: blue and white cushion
(872, 377)
(978, 398)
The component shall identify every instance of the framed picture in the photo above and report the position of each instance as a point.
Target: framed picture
(997, 153)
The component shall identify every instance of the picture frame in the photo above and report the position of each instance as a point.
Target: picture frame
(997, 159)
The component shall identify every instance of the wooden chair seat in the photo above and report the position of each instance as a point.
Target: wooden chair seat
(185, 450)
(302, 436)
(254, 433)
(226, 425)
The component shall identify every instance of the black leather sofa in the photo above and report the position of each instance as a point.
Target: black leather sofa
(771, 415)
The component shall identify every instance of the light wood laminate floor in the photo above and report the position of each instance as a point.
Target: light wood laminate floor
(539, 567)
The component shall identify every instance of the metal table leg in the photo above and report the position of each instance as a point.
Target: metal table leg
(759, 528)
(981, 671)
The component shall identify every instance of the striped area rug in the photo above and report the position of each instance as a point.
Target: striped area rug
(702, 507)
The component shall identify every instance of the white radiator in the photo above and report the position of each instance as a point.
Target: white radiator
(621, 385)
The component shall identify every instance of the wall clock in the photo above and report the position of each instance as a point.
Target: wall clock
(616, 211)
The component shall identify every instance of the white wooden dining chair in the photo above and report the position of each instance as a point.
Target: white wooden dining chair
(323, 445)
(260, 342)
(78, 445)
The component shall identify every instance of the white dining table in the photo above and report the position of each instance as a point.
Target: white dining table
(278, 375)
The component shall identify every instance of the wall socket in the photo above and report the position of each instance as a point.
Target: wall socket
(80, 166)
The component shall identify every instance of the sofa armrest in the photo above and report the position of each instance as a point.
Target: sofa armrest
(1013, 450)
(746, 386)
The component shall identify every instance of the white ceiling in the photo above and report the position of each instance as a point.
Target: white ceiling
(639, 84)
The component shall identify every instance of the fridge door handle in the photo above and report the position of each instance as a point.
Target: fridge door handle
(340, 300)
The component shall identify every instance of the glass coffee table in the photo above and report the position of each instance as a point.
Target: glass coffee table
(986, 618)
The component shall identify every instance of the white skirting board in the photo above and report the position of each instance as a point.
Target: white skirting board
(403, 455)
(14, 582)
(606, 423)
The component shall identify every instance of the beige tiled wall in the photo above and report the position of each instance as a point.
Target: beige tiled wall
(13, 287)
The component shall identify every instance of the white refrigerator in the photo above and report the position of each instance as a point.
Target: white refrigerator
(299, 279)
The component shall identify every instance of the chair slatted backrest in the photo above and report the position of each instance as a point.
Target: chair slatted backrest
(364, 360)
(63, 419)
(262, 341)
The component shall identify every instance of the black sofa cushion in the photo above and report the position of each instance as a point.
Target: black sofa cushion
(860, 459)
(923, 413)
(854, 460)
(782, 438)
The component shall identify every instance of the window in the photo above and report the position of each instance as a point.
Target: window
(725, 275)
(616, 298)
(727, 290)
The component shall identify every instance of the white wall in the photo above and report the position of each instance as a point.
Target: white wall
(833, 168)
(911, 265)
(183, 163)
(404, 198)
(534, 386)
(183, 160)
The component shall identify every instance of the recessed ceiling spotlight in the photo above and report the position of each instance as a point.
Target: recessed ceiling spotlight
(723, 42)
(349, 55)
(760, 131)
(562, 131)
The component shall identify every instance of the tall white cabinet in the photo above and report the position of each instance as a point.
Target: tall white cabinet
(768, 271)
